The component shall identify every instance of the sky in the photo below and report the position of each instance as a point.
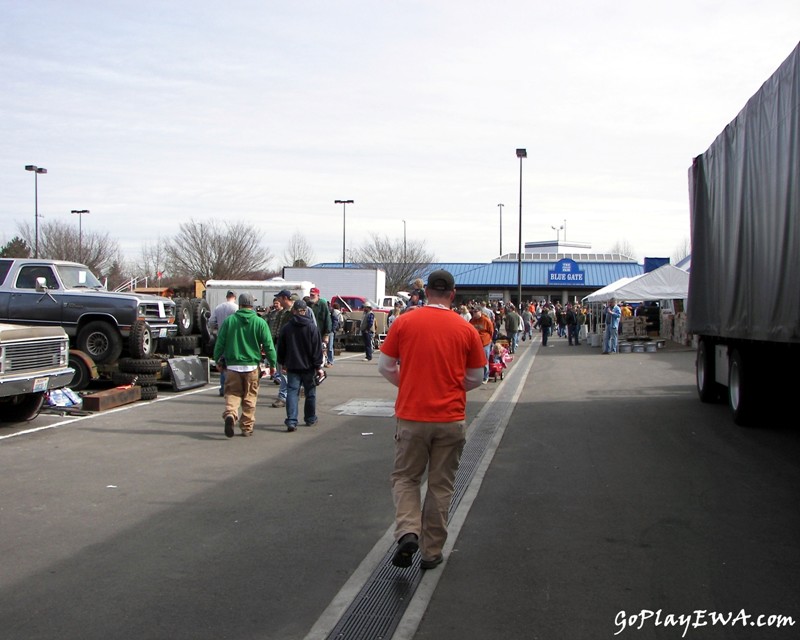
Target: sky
(151, 114)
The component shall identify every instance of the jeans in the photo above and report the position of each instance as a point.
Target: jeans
(282, 388)
(367, 336)
(514, 341)
(330, 348)
(294, 381)
(610, 339)
(545, 334)
(487, 350)
(222, 382)
(572, 333)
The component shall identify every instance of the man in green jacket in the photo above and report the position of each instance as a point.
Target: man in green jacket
(244, 339)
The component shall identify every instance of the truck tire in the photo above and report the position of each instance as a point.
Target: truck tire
(83, 375)
(101, 341)
(142, 379)
(145, 365)
(183, 344)
(741, 392)
(707, 387)
(149, 392)
(201, 313)
(22, 408)
(140, 342)
(184, 316)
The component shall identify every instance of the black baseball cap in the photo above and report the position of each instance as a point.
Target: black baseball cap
(441, 280)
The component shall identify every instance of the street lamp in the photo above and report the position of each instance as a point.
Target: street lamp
(521, 153)
(36, 171)
(501, 205)
(80, 231)
(558, 233)
(344, 204)
(404, 242)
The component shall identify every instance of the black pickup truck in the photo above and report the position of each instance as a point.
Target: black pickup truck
(102, 324)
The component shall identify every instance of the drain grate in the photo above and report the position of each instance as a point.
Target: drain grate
(378, 608)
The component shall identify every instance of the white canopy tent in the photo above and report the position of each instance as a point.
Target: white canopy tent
(609, 291)
(665, 283)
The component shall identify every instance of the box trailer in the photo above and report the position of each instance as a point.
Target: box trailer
(744, 283)
(336, 281)
(263, 291)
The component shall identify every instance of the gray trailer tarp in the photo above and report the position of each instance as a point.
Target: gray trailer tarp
(745, 204)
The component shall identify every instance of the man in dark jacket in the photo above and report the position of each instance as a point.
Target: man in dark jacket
(300, 354)
(322, 313)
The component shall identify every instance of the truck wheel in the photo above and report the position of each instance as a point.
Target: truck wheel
(740, 389)
(707, 388)
(149, 392)
(22, 408)
(140, 342)
(142, 379)
(83, 375)
(101, 341)
(201, 313)
(184, 316)
(145, 365)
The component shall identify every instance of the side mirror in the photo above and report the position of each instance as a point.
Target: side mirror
(41, 283)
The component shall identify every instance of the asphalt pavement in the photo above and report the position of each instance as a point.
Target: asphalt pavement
(603, 491)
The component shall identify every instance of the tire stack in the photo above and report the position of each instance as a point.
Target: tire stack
(139, 371)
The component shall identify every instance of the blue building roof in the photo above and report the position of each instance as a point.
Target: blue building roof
(503, 274)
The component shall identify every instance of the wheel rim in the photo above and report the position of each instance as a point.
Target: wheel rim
(186, 318)
(146, 343)
(97, 344)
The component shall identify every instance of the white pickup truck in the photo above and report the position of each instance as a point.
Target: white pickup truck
(33, 360)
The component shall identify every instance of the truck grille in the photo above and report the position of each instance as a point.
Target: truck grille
(22, 357)
(157, 312)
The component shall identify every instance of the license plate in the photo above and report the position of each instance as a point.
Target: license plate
(40, 384)
(162, 333)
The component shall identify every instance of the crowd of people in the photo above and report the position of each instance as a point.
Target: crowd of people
(501, 327)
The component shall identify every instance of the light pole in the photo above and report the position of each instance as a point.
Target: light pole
(501, 205)
(344, 204)
(404, 243)
(558, 234)
(36, 171)
(80, 213)
(521, 153)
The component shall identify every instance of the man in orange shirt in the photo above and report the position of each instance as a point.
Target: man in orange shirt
(485, 329)
(434, 358)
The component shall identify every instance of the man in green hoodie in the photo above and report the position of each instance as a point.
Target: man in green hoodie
(244, 339)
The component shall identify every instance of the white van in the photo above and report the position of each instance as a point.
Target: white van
(263, 291)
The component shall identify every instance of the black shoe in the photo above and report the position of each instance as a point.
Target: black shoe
(431, 564)
(229, 422)
(289, 428)
(406, 548)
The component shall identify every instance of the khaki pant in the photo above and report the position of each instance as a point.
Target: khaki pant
(241, 389)
(436, 446)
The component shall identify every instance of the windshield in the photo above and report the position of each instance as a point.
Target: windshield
(78, 276)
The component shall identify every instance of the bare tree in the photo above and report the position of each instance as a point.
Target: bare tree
(624, 248)
(402, 261)
(298, 252)
(682, 250)
(152, 260)
(62, 241)
(210, 250)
